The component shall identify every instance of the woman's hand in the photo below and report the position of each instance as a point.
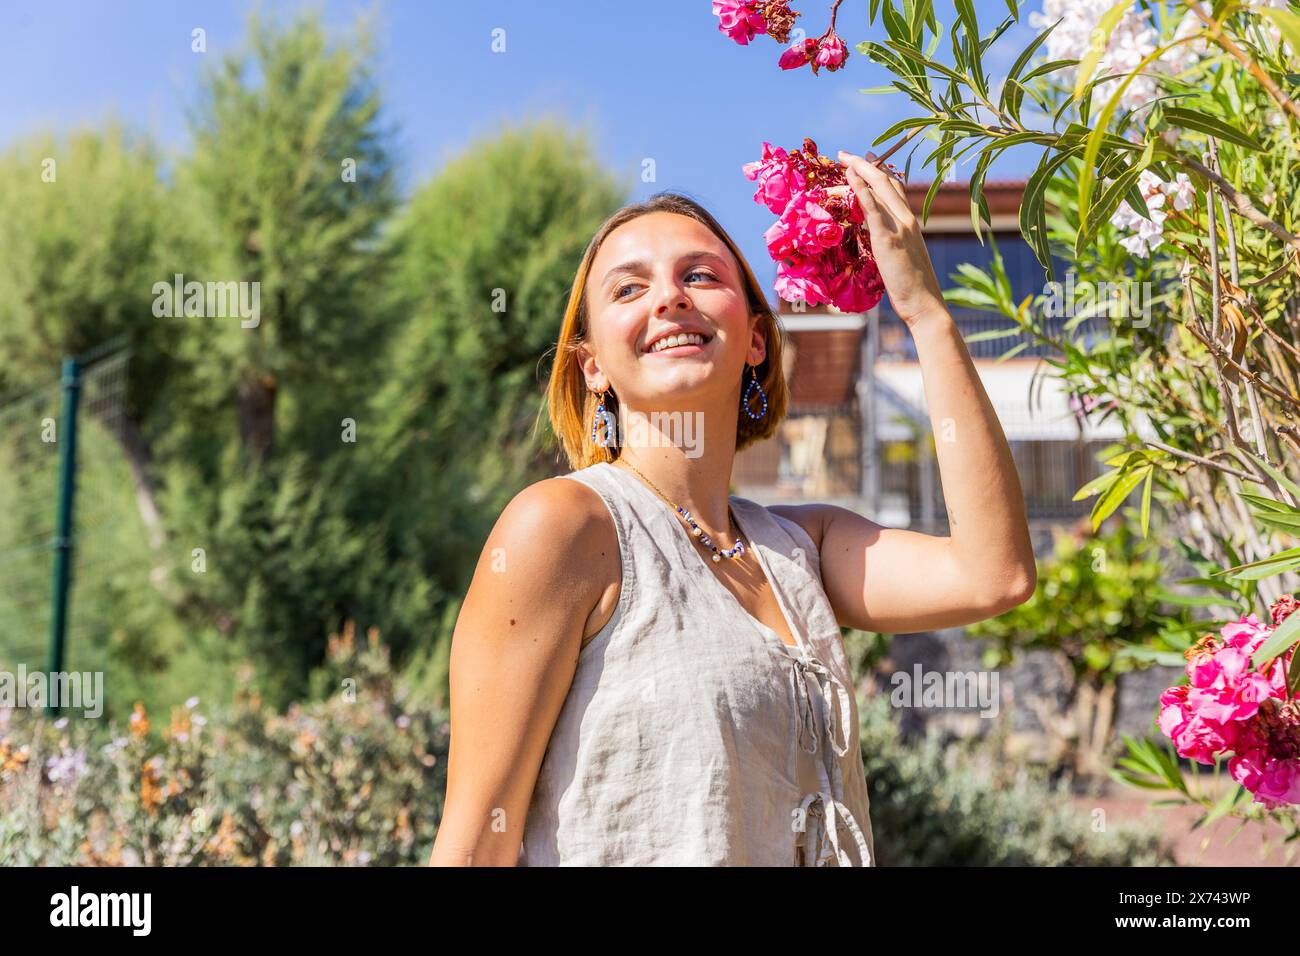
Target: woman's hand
(896, 240)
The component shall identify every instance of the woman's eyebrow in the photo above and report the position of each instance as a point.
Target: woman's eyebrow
(637, 265)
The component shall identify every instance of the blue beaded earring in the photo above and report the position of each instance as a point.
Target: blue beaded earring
(750, 389)
(603, 417)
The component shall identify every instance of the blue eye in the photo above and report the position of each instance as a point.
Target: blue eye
(618, 293)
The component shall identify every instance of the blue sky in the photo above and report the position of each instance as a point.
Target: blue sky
(647, 80)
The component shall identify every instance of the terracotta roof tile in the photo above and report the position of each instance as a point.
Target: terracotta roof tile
(953, 199)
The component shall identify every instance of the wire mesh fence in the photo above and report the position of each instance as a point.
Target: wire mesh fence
(31, 432)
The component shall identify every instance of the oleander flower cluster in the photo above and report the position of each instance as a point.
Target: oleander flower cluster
(1134, 37)
(742, 20)
(1084, 405)
(1232, 706)
(820, 241)
(1146, 234)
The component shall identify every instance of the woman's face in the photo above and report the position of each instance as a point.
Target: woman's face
(659, 276)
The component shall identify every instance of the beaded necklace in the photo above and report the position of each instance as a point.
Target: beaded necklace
(718, 554)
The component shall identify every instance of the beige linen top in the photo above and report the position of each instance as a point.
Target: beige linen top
(692, 734)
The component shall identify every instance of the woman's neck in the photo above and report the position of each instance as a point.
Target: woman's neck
(697, 478)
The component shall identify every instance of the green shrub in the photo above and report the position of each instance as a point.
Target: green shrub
(352, 779)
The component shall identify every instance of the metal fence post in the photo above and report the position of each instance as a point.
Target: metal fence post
(63, 534)
(870, 352)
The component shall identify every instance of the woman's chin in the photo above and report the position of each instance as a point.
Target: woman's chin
(679, 381)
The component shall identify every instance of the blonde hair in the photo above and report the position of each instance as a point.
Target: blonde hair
(572, 404)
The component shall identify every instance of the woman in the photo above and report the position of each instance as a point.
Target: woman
(648, 671)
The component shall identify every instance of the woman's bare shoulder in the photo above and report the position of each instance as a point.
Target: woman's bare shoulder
(560, 504)
(819, 519)
(546, 568)
(810, 517)
(559, 519)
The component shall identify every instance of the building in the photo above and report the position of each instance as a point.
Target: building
(858, 433)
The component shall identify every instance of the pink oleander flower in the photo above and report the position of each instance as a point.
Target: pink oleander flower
(799, 279)
(1247, 634)
(800, 54)
(775, 178)
(831, 52)
(805, 227)
(1173, 708)
(1230, 707)
(1085, 406)
(1266, 759)
(741, 20)
(820, 242)
(780, 239)
(1200, 740)
(1274, 782)
(1282, 608)
(857, 290)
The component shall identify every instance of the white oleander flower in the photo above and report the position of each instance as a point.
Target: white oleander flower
(1132, 39)
(1148, 234)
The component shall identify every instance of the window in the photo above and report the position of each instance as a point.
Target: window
(950, 250)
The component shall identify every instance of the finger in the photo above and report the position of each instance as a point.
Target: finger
(878, 180)
(871, 207)
(878, 217)
(895, 179)
(888, 185)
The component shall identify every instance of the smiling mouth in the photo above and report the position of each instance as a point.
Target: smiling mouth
(679, 340)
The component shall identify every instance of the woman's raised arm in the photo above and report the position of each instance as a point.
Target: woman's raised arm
(892, 580)
(543, 570)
